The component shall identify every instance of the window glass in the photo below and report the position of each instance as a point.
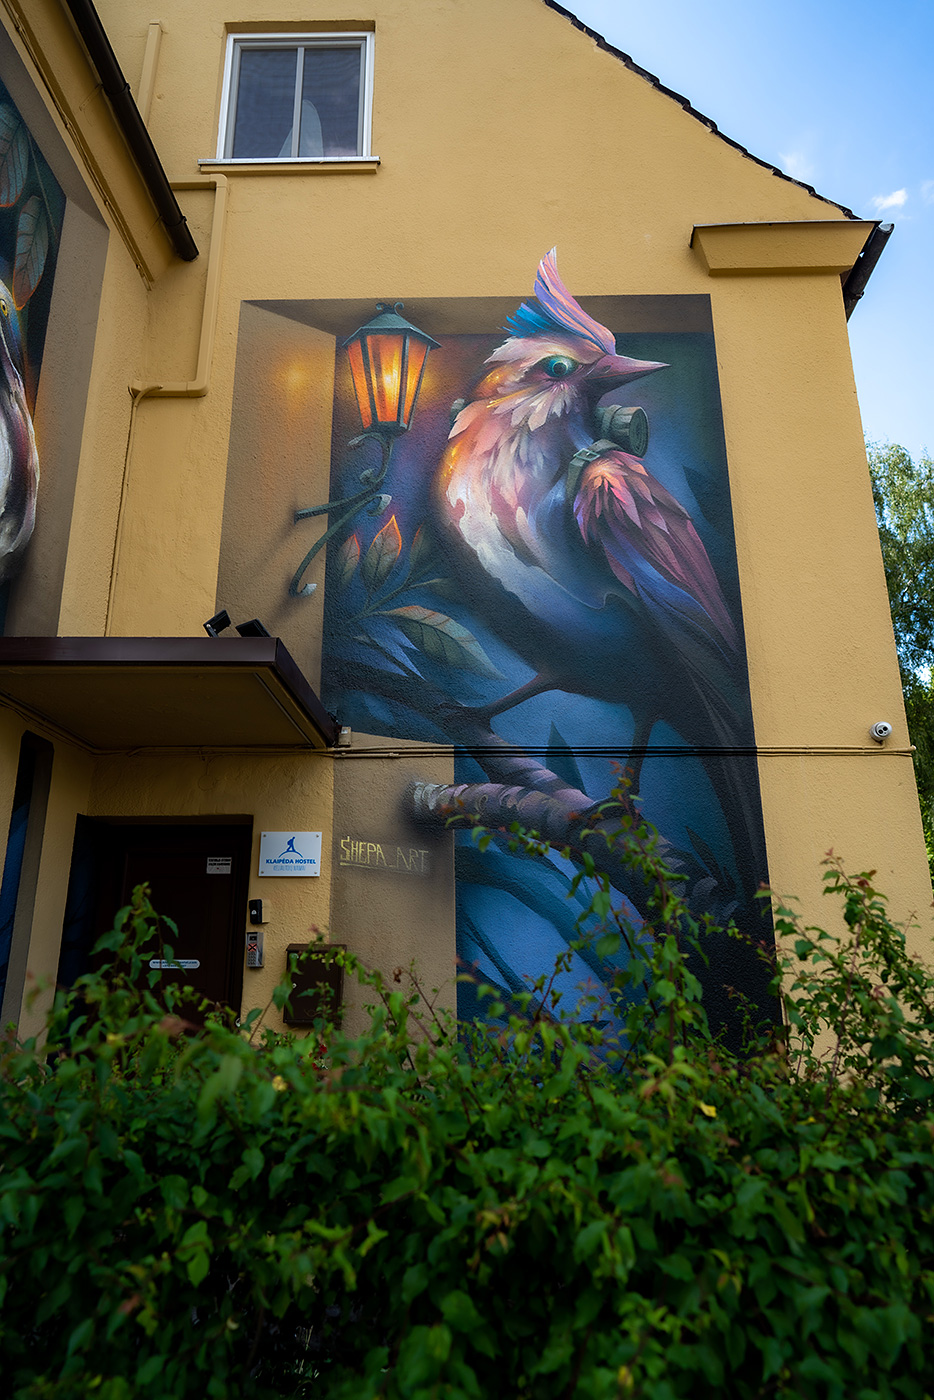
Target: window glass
(331, 90)
(265, 102)
(321, 84)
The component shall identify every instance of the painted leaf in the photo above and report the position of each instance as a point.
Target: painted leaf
(708, 858)
(14, 155)
(422, 551)
(382, 554)
(446, 588)
(348, 557)
(442, 639)
(561, 760)
(32, 246)
(399, 663)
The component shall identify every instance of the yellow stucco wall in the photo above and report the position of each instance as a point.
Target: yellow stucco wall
(484, 165)
(819, 638)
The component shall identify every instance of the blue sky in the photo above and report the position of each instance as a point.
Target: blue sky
(839, 95)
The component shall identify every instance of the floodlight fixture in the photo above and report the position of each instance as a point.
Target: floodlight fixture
(217, 624)
(253, 628)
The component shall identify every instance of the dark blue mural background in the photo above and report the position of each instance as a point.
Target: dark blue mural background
(383, 675)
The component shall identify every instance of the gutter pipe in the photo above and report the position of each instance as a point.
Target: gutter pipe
(862, 269)
(117, 90)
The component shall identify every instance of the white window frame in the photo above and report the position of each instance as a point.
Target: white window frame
(236, 43)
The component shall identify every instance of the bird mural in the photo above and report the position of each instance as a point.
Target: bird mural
(19, 460)
(532, 547)
(577, 557)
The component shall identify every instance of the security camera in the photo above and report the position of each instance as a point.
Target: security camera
(880, 731)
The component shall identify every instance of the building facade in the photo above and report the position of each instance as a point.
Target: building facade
(620, 520)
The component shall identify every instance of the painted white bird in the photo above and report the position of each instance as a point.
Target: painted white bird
(19, 460)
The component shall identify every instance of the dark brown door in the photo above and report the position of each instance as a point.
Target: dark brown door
(198, 878)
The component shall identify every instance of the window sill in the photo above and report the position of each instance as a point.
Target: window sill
(315, 165)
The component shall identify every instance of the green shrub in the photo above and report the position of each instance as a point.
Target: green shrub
(527, 1211)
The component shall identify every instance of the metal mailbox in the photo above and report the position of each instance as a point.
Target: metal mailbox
(317, 983)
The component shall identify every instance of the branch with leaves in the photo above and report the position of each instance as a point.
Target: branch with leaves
(401, 635)
(523, 791)
(386, 575)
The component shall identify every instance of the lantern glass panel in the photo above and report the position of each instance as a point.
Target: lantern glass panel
(385, 354)
(418, 352)
(358, 373)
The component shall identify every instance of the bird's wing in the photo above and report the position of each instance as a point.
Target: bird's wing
(642, 530)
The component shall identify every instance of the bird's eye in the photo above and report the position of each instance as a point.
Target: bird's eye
(558, 366)
(4, 307)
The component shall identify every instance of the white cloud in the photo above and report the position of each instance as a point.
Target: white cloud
(796, 164)
(895, 200)
(927, 191)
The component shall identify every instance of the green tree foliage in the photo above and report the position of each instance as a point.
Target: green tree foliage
(903, 491)
(530, 1212)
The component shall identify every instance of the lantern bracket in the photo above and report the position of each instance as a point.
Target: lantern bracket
(350, 506)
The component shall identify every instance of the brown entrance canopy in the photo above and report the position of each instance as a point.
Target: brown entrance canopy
(113, 694)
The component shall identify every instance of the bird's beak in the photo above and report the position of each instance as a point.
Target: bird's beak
(613, 370)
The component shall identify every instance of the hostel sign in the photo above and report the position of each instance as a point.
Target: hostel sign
(290, 853)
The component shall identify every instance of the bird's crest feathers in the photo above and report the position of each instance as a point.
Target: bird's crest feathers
(554, 309)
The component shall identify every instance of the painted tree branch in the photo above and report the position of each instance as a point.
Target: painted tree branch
(521, 789)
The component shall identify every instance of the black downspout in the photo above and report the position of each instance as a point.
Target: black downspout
(862, 269)
(117, 90)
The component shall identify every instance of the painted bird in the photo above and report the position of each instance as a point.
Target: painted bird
(580, 560)
(19, 461)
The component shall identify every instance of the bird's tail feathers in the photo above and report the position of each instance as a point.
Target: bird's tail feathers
(718, 720)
